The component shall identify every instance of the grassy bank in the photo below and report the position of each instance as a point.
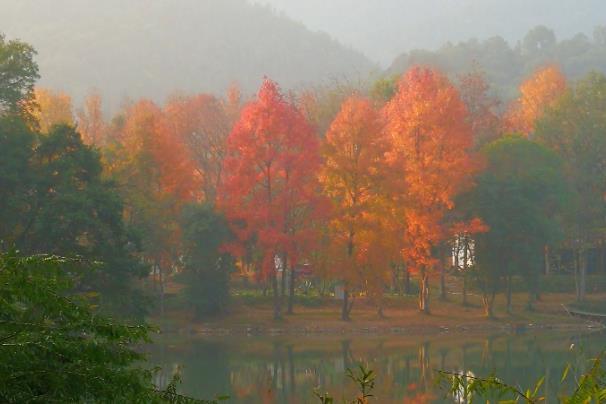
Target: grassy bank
(250, 313)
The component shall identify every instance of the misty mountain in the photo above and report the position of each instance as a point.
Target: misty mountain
(383, 29)
(152, 48)
(506, 66)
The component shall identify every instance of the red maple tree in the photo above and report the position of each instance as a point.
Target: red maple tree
(269, 187)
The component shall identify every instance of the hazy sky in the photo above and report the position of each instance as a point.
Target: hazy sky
(382, 29)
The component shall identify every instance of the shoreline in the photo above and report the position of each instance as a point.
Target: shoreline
(252, 330)
(255, 318)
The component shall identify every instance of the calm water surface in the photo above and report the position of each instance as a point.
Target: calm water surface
(286, 370)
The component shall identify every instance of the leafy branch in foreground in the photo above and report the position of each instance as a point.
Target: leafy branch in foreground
(55, 348)
(364, 378)
(467, 388)
(170, 395)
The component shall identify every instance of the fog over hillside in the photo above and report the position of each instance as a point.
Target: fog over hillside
(151, 48)
(383, 29)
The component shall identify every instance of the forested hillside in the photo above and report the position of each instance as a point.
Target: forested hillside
(383, 29)
(505, 65)
(152, 48)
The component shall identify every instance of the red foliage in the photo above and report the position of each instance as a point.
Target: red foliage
(482, 108)
(269, 189)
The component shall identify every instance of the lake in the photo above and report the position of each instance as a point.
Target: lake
(287, 369)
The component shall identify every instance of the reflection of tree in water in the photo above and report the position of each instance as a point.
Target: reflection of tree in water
(424, 369)
(287, 370)
(206, 369)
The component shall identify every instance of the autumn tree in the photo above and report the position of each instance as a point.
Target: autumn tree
(269, 187)
(482, 107)
(426, 122)
(157, 177)
(537, 93)
(353, 152)
(53, 108)
(486, 125)
(202, 123)
(90, 120)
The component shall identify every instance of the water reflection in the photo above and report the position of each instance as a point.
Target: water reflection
(286, 370)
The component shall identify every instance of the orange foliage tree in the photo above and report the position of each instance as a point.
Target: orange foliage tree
(482, 108)
(202, 123)
(160, 162)
(426, 121)
(52, 108)
(157, 176)
(90, 120)
(269, 187)
(537, 93)
(353, 151)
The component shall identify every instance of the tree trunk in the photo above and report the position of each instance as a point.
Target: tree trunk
(509, 308)
(283, 278)
(276, 296)
(465, 267)
(424, 292)
(443, 272)
(465, 289)
(395, 279)
(583, 276)
(580, 271)
(577, 284)
(424, 364)
(161, 278)
(456, 248)
(291, 290)
(406, 280)
(547, 262)
(346, 308)
(488, 303)
(291, 371)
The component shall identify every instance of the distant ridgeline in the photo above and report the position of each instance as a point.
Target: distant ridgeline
(153, 48)
(504, 66)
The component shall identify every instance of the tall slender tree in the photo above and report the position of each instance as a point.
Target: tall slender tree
(426, 122)
(482, 107)
(352, 175)
(202, 123)
(269, 190)
(90, 120)
(157, 177)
